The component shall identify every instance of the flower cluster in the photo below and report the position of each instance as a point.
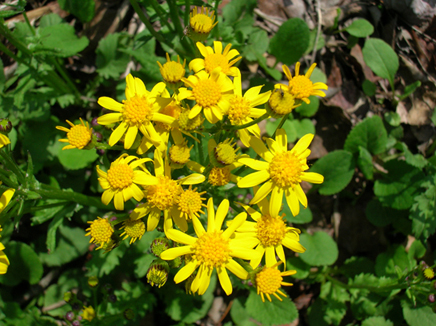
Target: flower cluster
(163, 125)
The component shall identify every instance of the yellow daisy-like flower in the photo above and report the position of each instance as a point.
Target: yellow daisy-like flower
(300, 86)
(101, 231)
(243, 110)
(78, 136)
(137, 112)
(6, 198)
(180, 154)
(269, 233)
(281, 103)
(4, 140)
(190, 204)
(428, 273)
(88, 313)
(222, 154)
(172, 71)
(216, 58)
(162, 194)
(134, 229)
(120, 181)
(201, 23)
(282, 172)
(269, 280)
(212, 249)
(210, 92)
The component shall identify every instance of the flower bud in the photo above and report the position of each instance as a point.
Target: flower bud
(93, 281)
(5, 126)
(158, 273)
(69, 316)
(159, 245)
(129, 314)
(431, 298)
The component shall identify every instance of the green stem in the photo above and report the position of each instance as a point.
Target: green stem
(176, 21)
(67, 78)
(146, 22)
(281, 123)
(74, 197)
(255, 121)
(28, 23)
(368, 287)
(158, 10)
(187, 12)
(10, 164)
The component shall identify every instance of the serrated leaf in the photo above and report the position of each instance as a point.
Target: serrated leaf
(110, 61)
(423, 211)
(386, 262)
(370, 134)
(360, 28)
(258, 43)
(288, 126)
(409, 89)
(24, 264)
(321, 249)
(398, 187)
(337, 167)
(295, 263)
(356, 265)
(305, 215)
(291, 41)
(271, 313)
(303, 127)
(239, 314)
(381, 58)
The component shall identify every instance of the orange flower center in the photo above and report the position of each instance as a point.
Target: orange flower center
(300, 86)
(164, 194)
(101, 230)
(201, 23)
(172, 71)
(268, 280)
(190, 203)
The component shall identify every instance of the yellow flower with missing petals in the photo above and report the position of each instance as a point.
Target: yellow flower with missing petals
(300, 86)
(216, 58)
(200, 24)
(6, 198)
(134, 229)
(243, 110)
(4, 261)
(120, 181)
(4, 140)
(101, 231)
(210, 92)
(281, 172)
(136, 113)
(189, 204)
(78, 136)
(269, 280)
(269, 234)
(162, 194)
(172, 71)
(212, 249)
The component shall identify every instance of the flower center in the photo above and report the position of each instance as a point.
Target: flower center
(211, 61)
(190, 203)
(281, 103)
(164, 194)
(285, 170)
(300, 86)
(120, 176)
(211, 249)
(180, 154)
(137, 110)
(134, 228)
(172, 110)
(79, 136)
(207, 93)
(270, 230)
(268, 281)
(239, 109)
(225, 153)
(101, 230)
(172, 71)
(189, 124)
(201, 23)
(219, 176)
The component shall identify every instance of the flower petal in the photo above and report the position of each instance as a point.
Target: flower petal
(118, 133)
(237, 269)
(254, 179)
(225, 280)
(312, 177)
(110, 104)
(173, 253)
(185, 272)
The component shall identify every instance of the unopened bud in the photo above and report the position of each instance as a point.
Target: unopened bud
(159, 245)
(5, 126)
(158, 273)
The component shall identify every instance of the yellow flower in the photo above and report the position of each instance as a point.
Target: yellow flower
(201, 23)
(137, 112)
(281, 103)
(101, 231)
(190, 204)
(162, 194)
(4, 261)
(269, 280)
(300, 86)
(88, 313)
(282, 171)
(243, 110)
(79, 136)
(428, 273)
(216, 58)
(179, 154)
(134, 229)
(172, 71)
(212, 249)
(210, 92)
(6, 198)
(120, 181)
(269, 233)
(157, 274)
(4, 140)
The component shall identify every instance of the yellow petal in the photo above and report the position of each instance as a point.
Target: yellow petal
(225, 280)
(6, 198)
(312, 177)
(180, 237)
(118, 133)
(237, 269)
(185, 272)
(292, 200)
(173, 253)
(302, 144)
(221, 213)
(110, 104)
(254, 179)
(263, 191)
(275, 203)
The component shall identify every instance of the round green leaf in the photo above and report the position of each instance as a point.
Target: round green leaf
(305, 215)
(393, 118)
(381, 58)
(337, 167)
(360, 28)
(377, 321)
(321, 249)
(308, 110)
(291, 41)
(303, 127)
(295, 263)
(24, 264)
(418, 316)
(75, 159)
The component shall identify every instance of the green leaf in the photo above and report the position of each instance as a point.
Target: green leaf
(386, 262)
(364, 162)
(142, 263)
(103, 263)
(377, 321)
(356, 265)
(360, 28)
(321, 249)
(236, 9)
(393, 118)
(50, 20)
(308, 110)
(381, 58)
(336, 298)
(418, 316)
(370, 134)
(416, 160)
(380, 215)
(2, 77)
(82, 9)
(409, 89)
(295, 263)
(110, 61)
(257, 44)
(305, 215)
(239, 313)
(288, 126)
(75, 159)
(24, 264)
(62, 40)
(290, 42)
(316, 312)
(337, 167)
(271, 313)
(398, 187)
(369, 87)
(416, 250)
(303, 127)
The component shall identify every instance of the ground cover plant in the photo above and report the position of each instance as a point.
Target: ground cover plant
(217, 163)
